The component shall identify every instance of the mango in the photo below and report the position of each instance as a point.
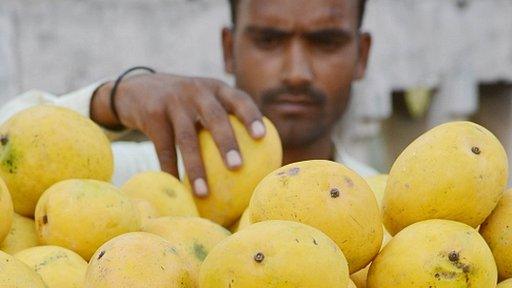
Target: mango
(457, 171)
(43, 145)
(23, 235)
(275, 254)
(497, 232)
(146, 210)
(193, 237)
(242, 223)
(378, 185)
(58, 267)
(14, 274)
(6, 211)
(434, 253)
(81, 215)
(505, 284)
(329, 197)
(137, 259)
(230, 191)
(163, 191)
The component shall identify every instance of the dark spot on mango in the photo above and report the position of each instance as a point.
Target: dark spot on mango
(293, 171)
(259, 257)
(453, 256)
(102, 253)
(476, 150)
(314, 242)
(335, 193)
(4, 139)
(200, 252)
(170, 192)
(8, 157)
(45, 219)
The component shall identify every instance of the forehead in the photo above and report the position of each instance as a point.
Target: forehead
(299, 13)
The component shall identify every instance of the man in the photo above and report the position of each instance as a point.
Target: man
(293, 60)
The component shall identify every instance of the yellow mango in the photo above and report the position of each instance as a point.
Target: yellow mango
(505, 284)
(230, 191)
(58, 267)
(434, 253)
(193, 237)
(6, 211)
(329, 197)
(275, 254)
(164, 192)
(243, 222)
(46, 144)
(81, 215)
(23, 235)
(497, 232)
(14, 274)
(137, 259)
(456, 171)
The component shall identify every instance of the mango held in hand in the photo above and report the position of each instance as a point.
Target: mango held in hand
(43, 145)
(81, 215)
(434, 253)
(329, 197)
(165, 193)
(275, 254)
(14, 273)
(230, 191)
(497, 232)
(137, 259)
(6, 211)
(23, 235)
(193, 238)
(457, 171)
(59, 267)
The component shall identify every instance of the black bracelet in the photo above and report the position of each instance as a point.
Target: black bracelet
(118, 82)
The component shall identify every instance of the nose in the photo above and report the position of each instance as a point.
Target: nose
(297, 70)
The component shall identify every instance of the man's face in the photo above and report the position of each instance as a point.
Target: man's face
(297, 59)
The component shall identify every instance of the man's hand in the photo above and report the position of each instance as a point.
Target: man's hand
(169, 110)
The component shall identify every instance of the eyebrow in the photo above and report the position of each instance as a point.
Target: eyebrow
(327, 33)
(257, 30)
(331, 33)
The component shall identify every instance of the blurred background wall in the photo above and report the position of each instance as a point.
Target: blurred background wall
(432, 61)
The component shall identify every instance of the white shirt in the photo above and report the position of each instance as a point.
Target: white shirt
(130, 157)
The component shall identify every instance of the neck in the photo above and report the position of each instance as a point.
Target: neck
(320, 149)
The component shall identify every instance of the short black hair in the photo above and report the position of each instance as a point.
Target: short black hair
(234, 10)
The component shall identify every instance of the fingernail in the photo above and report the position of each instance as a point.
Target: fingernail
(234, 159)
(200, 187)
(258, 129)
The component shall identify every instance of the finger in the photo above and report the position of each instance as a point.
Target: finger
(242, 105)
(215, 119)
(186, 137)
(161, 133)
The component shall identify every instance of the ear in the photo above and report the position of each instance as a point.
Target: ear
(227, 46)
(365, 43)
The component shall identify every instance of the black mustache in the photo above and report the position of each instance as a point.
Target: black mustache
(315, 96)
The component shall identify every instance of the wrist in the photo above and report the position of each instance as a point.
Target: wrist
(101, 110)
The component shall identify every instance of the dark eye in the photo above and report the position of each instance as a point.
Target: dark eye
(328, 43)
(268, 42)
